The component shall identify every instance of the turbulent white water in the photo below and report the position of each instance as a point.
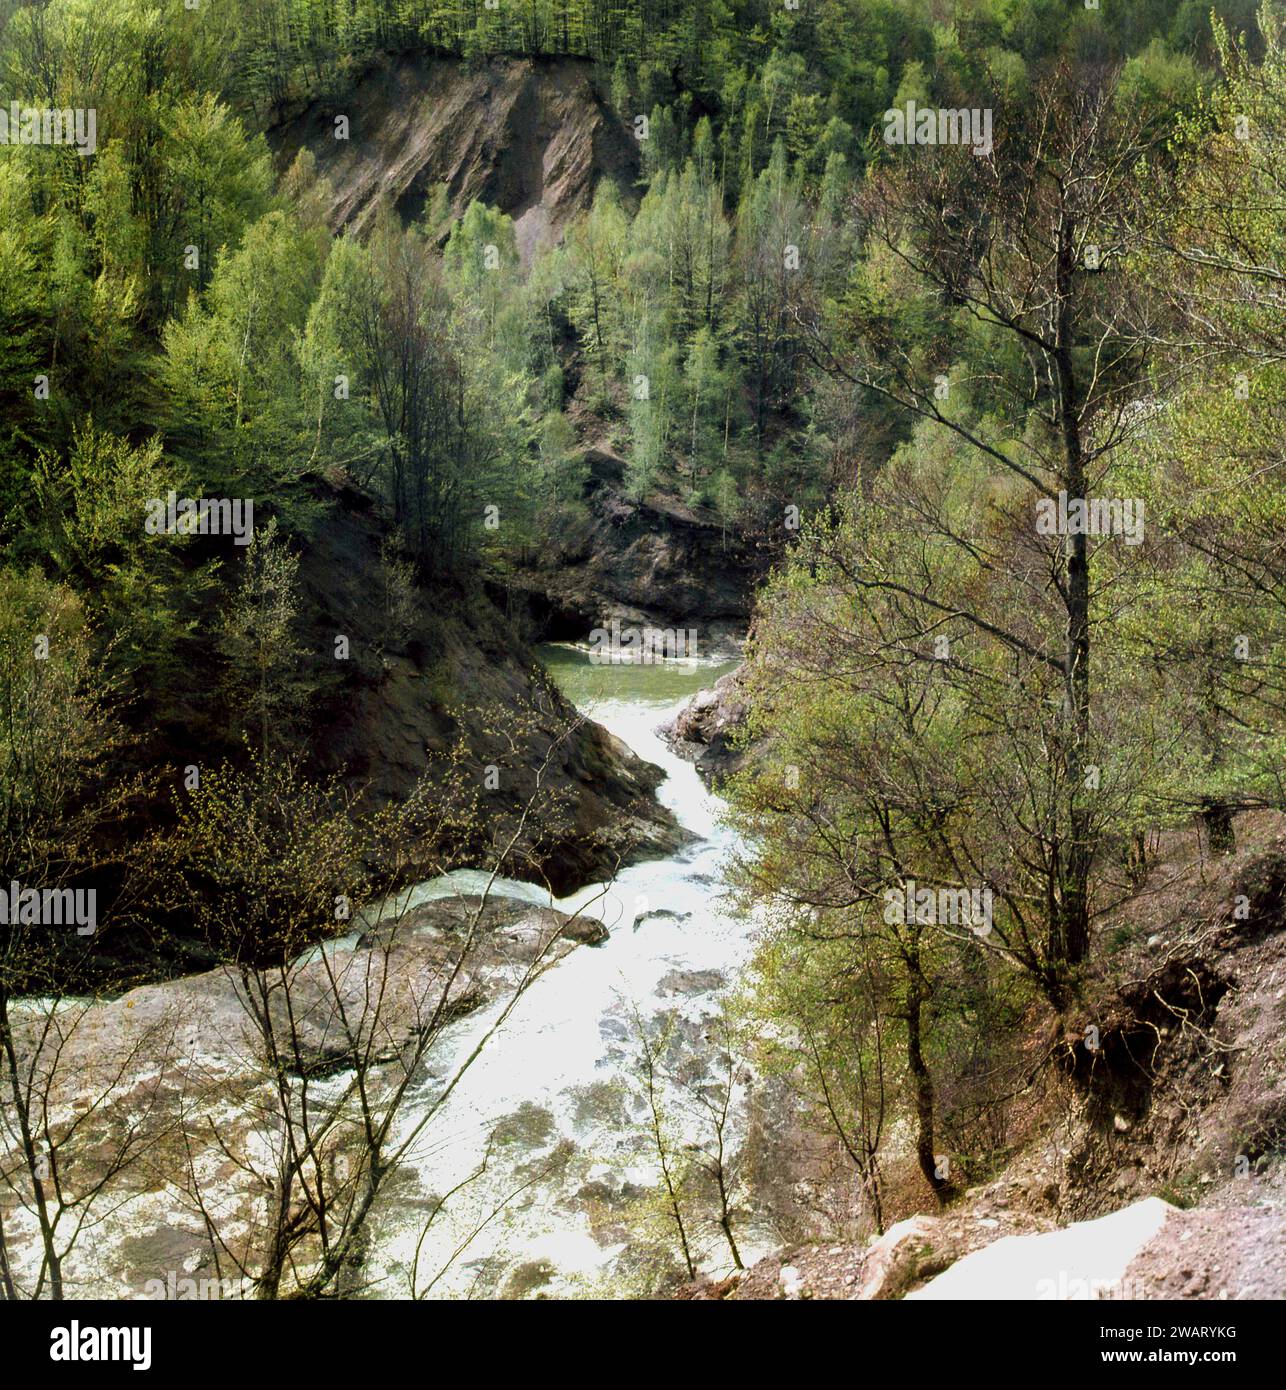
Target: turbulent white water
(560, 1077)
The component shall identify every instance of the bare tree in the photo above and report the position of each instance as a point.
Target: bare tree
(1027, 242)
(62, 1151)
(717, 1156)
(665, 1145)
(340, 1038)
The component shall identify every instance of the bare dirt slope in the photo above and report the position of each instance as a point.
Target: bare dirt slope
(462, 673)
(532, 138)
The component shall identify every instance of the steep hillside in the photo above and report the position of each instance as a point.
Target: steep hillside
(461, 671)
(531, 138)
(1168, 1081)
(534, 139)
(654, 561)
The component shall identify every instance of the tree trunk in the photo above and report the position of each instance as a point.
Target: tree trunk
(1072, 929)
(923, 1083)
(1217, 816)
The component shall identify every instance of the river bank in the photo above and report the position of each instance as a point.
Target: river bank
(537, 1172)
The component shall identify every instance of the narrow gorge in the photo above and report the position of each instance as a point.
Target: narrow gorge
(642, 659)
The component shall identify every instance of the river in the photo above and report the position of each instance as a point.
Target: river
(564, 1206)
(565, 1203)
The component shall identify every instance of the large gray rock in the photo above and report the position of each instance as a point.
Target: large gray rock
(707, 728)
(648, 562)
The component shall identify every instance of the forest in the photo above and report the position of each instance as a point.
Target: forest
(1000, 432)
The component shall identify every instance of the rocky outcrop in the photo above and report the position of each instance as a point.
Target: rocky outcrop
(533, 138)
(178, 1074)
(1088, 1259)
(1149, 1250)
(459, 673)
(652, 561)
(377, 982)
(655, 562)
(529, 137)
(903, 1258)
(1237, 1252)
(706, 729)
(431, 691)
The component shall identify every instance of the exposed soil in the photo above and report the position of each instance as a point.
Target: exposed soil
(1217, 1254)
(463, 672)
(531, 138)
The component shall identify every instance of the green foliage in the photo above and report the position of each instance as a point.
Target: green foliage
(265, 854)
(87, 522)
(265, 684)
(56, 731)
(914, 710)
(760, 325)
(815, 78)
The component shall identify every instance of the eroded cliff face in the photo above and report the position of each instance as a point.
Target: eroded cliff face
(531, 138)
(534, 139)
